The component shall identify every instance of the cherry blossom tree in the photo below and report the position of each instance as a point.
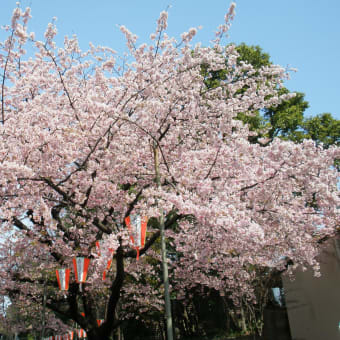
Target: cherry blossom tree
(89, 138)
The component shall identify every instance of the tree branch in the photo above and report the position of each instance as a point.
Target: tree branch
(169, 223)
(20, 225)
(115, 289)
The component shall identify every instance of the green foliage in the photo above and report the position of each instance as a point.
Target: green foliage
(253, 55)
(256, 122)
(323, 129)
(212, 78)
(280, 121)
(286, 119)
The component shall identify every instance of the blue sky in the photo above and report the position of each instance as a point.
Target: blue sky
(304, 34)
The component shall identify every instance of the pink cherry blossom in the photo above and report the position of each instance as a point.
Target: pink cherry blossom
(82, 136)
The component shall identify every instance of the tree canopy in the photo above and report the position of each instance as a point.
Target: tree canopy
(85, 141)
(286, 120)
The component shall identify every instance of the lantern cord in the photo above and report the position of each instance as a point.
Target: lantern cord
(137, 249)
(80, 287)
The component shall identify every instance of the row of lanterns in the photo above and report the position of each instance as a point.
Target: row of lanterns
(81, 265)
(70, 335)
(137, 227)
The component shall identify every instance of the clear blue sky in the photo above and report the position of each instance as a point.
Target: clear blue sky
(300, 33)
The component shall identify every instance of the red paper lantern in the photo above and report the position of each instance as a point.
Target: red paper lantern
(108, 266)
(63, 277)
(69, 336)
(137, 227)
(100, 321)
(109, 262)
(98, 244)
(81, 333)
(81, 265)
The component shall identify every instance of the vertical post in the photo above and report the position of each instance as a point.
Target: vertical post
(44, 310)
(166, 282)
(164, 259)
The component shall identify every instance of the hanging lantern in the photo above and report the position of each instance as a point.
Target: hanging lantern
(98, 244)
(109, 262)
(81, 333)
(81, 265)
(69, 336)
(100, 321)
(63, 278)
(58, 337)
(137, 227)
